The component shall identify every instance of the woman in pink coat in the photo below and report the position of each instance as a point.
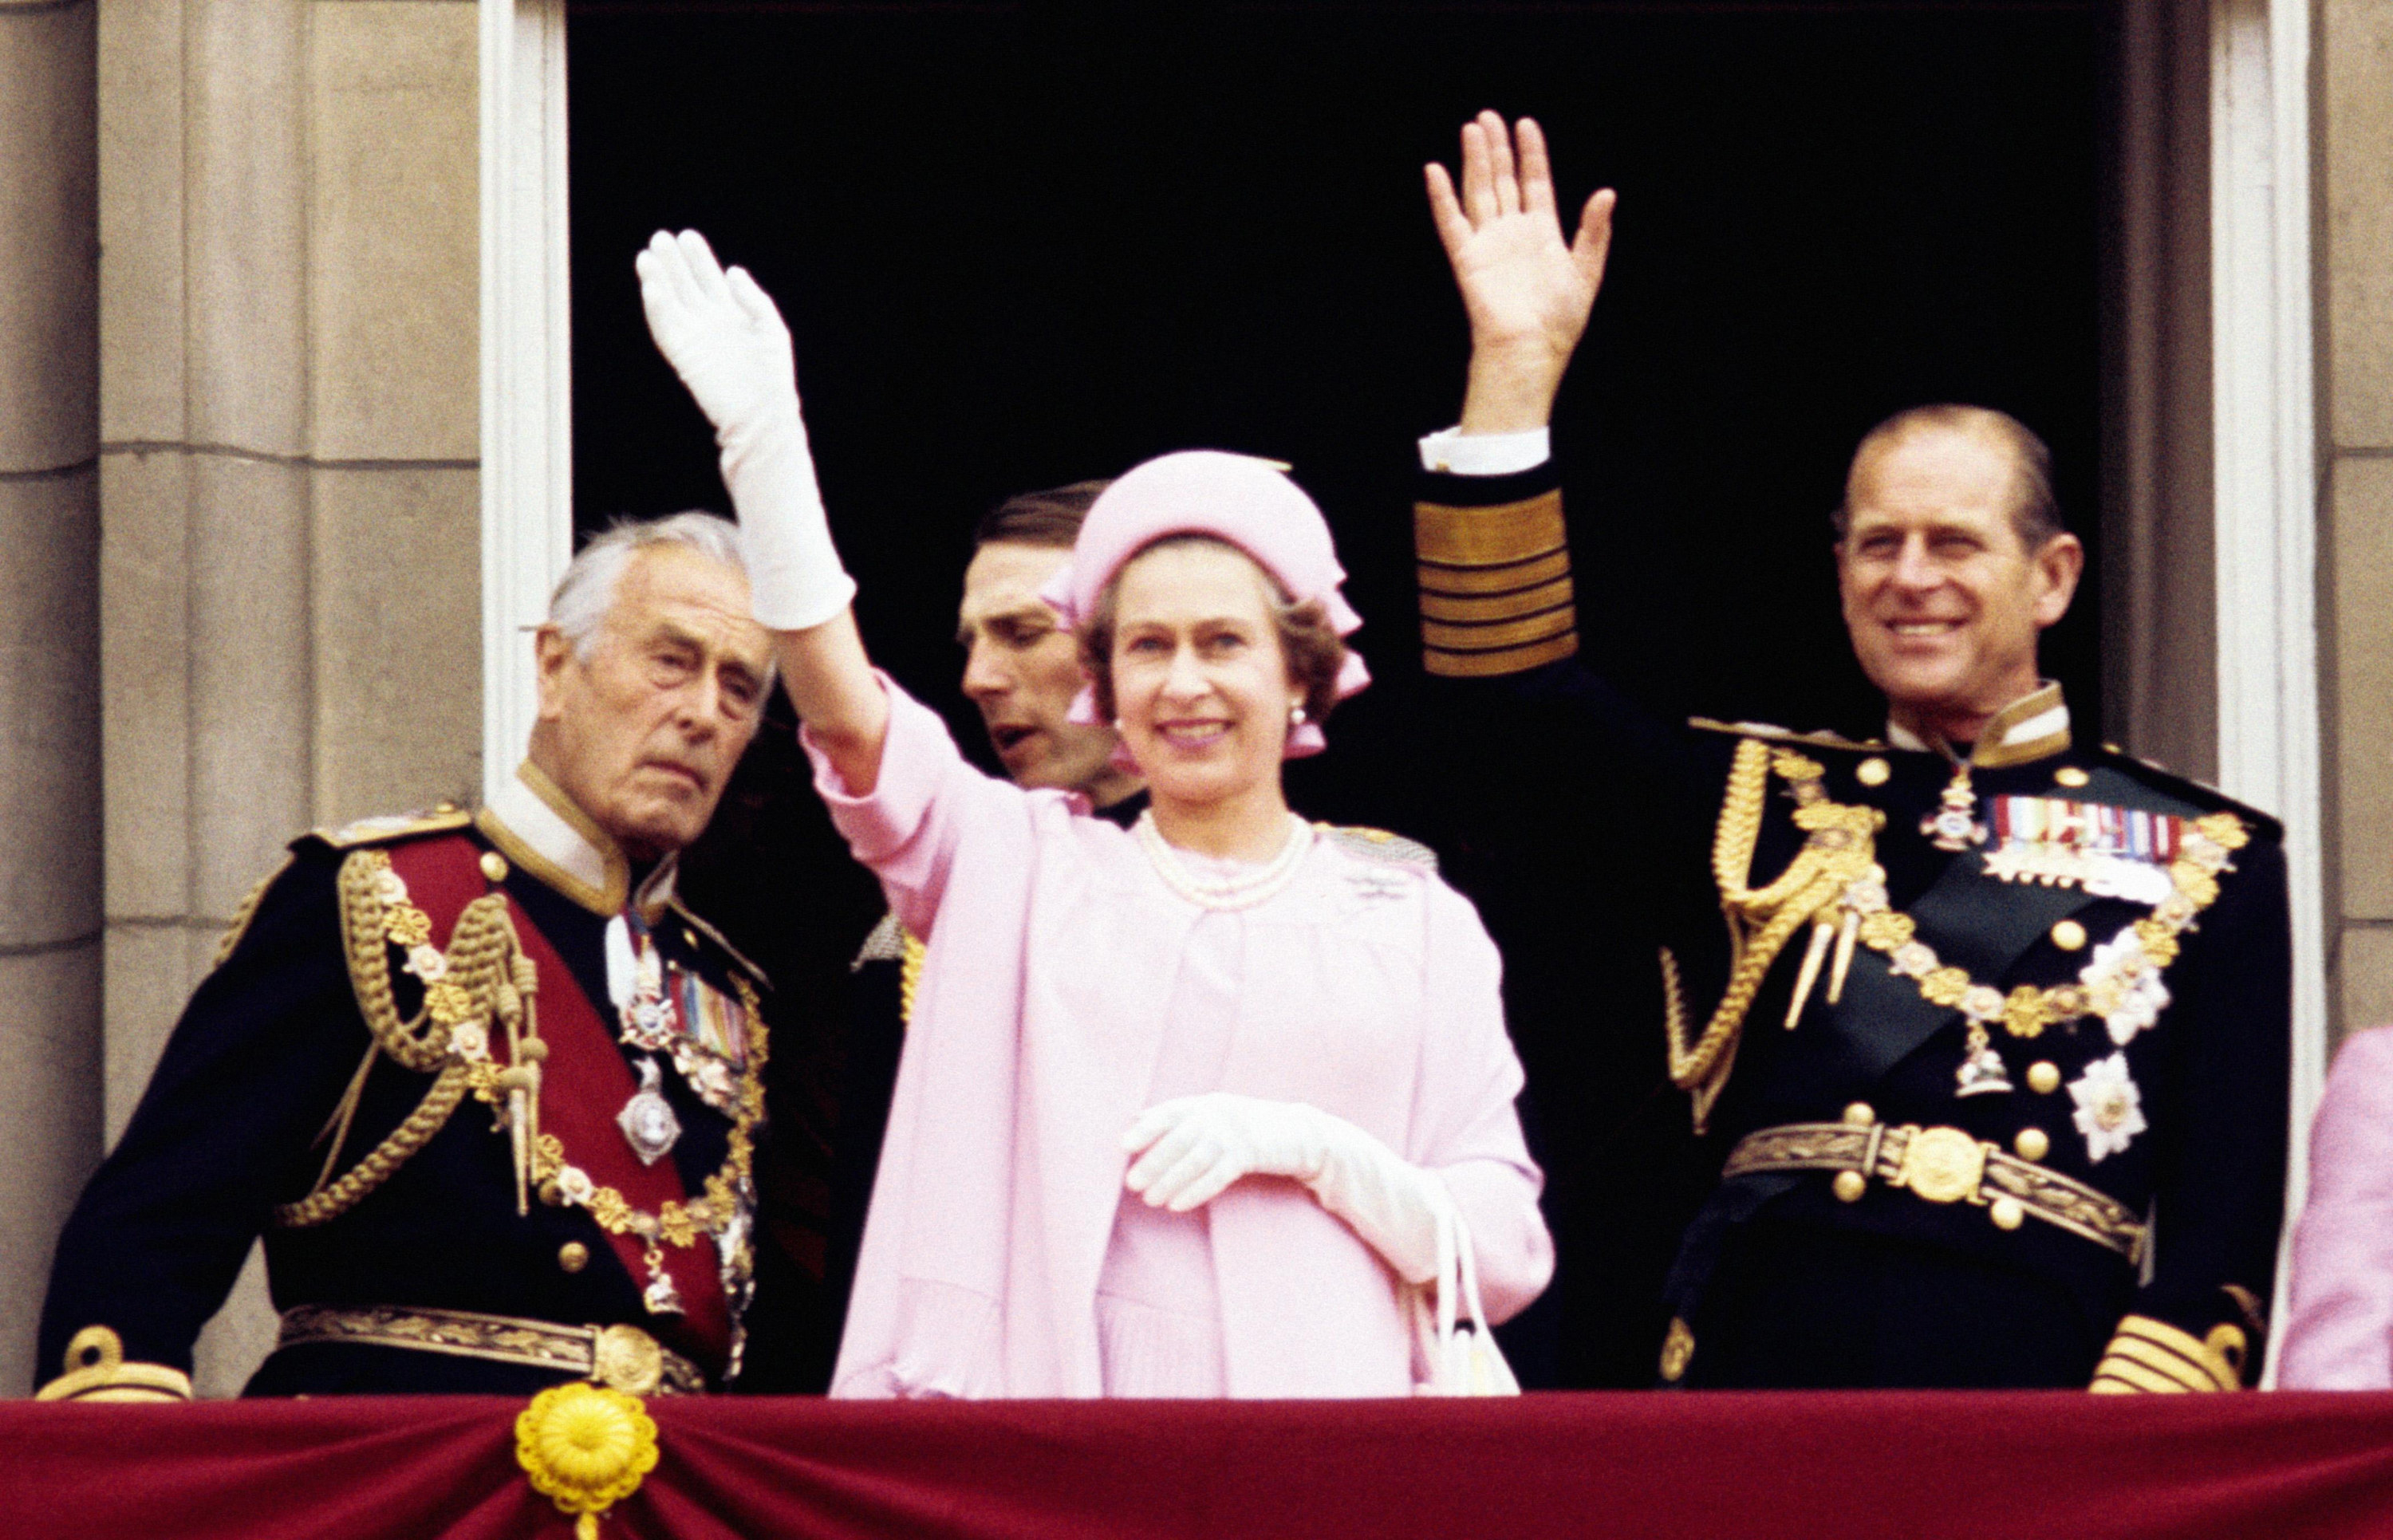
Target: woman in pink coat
(2339, 1327)
(1185, 1109)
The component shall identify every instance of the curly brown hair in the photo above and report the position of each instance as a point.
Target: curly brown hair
(1311, 646)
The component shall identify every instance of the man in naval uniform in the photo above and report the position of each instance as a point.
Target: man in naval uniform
(1991, 1049)
(487, 1090)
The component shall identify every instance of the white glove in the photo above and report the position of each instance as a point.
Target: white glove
(725, 338)
(1195, 1146)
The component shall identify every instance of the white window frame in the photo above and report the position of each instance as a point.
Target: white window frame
(527, 360)
(2263, 416)
(2264, 471)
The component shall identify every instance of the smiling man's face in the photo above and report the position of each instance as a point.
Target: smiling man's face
(643, 732)
(1943, 598)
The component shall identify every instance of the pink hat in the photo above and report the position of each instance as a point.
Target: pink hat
(1248, 503)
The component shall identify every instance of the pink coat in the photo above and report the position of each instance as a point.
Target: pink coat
(2339, 1327)
(1369, 990)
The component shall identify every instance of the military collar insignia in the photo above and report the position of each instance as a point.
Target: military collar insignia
(539, 828)
(2032, 728)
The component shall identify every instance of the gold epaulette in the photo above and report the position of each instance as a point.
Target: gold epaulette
(443, 817)
(96, 1370)
(477, 993)
(1774, 734)
(892, 942)
(2149, 1355)
(755, 975)
(1495, 594)
(1377, 845)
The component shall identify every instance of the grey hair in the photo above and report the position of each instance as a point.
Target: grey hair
(587, 591)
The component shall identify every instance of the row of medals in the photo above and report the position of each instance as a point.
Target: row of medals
(1954, 827)
(652, 1023)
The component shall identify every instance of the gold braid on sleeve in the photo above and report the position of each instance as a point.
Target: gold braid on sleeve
(481, 979)
(1841, 849)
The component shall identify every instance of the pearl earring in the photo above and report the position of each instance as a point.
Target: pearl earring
(1296, 715)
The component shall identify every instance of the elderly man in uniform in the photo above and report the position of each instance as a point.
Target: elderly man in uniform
(1021, 668)
(1993, 1044)
(487, 1090)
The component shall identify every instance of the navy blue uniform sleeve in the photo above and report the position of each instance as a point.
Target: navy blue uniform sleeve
(252, 1071)
(1579, 822)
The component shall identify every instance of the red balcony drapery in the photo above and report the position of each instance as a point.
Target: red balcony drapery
(1852, 1467)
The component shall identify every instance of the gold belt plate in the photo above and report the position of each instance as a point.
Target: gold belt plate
(1942, 1164)
(627, 1359)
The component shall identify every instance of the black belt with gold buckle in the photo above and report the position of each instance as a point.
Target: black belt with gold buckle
(625, 1357)
(1942, 1164)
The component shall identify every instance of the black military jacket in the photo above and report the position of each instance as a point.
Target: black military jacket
(236, 1118)
(2172, 1104)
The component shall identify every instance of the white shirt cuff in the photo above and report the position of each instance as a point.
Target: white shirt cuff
(1448, 451)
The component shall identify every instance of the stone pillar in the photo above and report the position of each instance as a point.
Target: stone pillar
(2355, 311)
(49, 650)
(288, 476)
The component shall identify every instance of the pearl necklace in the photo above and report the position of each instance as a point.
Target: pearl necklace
(1242, 891)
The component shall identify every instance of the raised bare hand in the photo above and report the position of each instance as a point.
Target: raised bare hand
(1529, 293)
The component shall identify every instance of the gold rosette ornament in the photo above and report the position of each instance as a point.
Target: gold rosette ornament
(586, 1448)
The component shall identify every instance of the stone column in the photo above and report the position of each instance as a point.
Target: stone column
(2355, 311)
(288, 476)
(49, 648)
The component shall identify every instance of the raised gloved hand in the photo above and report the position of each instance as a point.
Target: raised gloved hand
(726, 341)
(1195, 1146)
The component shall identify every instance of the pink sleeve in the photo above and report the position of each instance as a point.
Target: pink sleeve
(1465, 1126)
(2339, 1327)
(927, 800)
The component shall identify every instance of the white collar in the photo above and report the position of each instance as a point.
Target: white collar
(542, 830)
(2033, 726)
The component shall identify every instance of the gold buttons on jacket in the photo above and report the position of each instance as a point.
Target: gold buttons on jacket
(2070, 776)
(2068, 935)
(494, 866)
(2007, 1213)
(1861, 1115)
(690, 938)
(1850, 1186)
(2044, 1078)
(2032, 1143)
(1872, 771)
(573, 1256)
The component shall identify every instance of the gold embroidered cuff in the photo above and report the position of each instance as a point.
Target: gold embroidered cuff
(2151, 1356)
(96, 1370)
(1495, 589)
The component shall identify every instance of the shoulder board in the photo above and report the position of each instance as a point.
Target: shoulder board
(388, 830)
(887, 943)
(755, 975)
(1787, 735)
(1377, 845)
(2201, 795)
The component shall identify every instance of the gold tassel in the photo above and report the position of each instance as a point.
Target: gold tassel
(1821, 930)
(1847, 934)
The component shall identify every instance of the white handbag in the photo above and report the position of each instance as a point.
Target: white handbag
(1461, 1352)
